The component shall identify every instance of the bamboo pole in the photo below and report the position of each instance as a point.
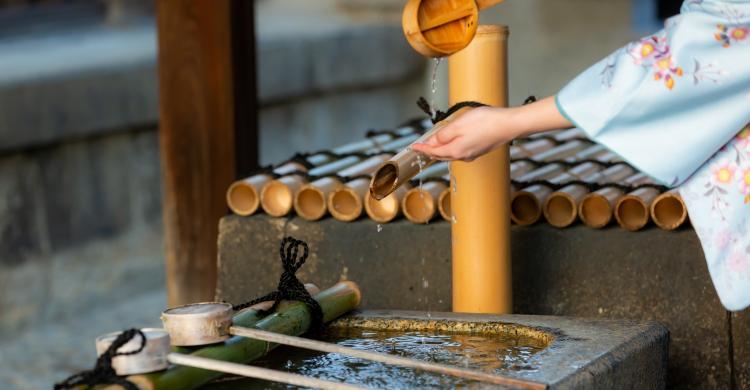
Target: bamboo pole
(597, 209)
(256, 372)
(561, 207)
(563, 151)
(481, 262)
(380, 357)
(530, 148)
(668, 210)
(293, 318)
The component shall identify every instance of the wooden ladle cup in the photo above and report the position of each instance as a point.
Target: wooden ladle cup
(439, 28)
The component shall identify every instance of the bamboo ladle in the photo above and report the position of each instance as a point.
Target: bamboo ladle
(439, 28)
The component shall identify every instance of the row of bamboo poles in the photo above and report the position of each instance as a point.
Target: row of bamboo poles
(558, 176)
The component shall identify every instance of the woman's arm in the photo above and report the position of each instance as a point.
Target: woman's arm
(484, 129)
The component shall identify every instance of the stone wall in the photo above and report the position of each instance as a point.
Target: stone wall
(79, 157)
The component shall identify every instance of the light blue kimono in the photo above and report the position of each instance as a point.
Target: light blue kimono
(676, 105)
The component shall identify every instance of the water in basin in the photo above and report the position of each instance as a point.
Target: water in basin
(492, 353)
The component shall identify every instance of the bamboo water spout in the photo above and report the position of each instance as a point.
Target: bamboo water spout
(406, 164)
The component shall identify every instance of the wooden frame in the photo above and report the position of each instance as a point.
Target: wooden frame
(208, 130)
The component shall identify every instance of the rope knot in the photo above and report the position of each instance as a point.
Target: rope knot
(103, 373)
(293, 255)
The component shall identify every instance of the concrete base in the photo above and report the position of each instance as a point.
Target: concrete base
(610, 273)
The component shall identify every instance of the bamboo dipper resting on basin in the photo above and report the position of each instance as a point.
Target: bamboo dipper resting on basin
(687, 131)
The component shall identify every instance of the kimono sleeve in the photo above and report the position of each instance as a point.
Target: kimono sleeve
(668, 102)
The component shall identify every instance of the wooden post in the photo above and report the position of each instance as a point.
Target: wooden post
(480, 190)
(198, 129)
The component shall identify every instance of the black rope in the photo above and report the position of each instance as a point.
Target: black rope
(440, 115)
(103, 373)
(290, 288)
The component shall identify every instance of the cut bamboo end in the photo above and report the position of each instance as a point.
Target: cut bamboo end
(560, 209)
(419, 206)
(386, 209)
(668, 211)
(277, 197)
(152, 358)
(198, 323)
(346, 287)
(444, 205)
(310, 203)
(243, 198)
(595, 211)
(525, 208)
(632, 213)
(384, 180)
(345, 204)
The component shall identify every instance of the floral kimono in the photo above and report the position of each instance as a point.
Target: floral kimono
(676, 105)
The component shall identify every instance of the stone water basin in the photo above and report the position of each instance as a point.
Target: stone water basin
(560, 352)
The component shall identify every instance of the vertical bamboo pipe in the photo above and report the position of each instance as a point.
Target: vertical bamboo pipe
(480, 203)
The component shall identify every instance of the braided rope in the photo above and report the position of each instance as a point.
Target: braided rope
(290, 288)
(103, 373)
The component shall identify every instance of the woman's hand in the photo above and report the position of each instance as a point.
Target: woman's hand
(471, 135)
(484, 129)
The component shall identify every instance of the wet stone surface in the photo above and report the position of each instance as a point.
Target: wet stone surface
(581, 272)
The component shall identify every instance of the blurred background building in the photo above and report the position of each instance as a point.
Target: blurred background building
(80, 192)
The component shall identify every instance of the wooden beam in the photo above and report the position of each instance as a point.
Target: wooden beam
(197, 138)
(245, 87)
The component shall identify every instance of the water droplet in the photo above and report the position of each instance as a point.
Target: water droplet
(425, 283)
(380, 228)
